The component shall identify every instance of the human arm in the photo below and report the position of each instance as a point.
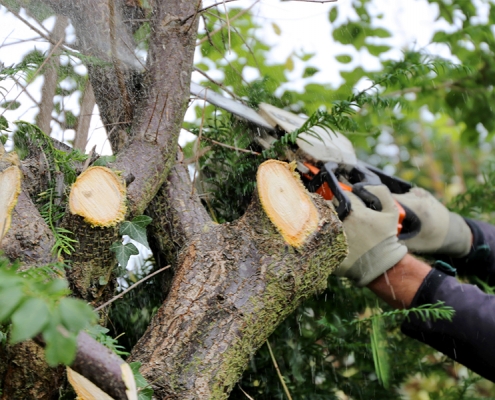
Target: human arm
(410, 283)
(468, 338)
(399, 284)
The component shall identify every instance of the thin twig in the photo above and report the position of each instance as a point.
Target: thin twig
(197, 144)
(255, 153)
(35, 73)
(417, 89)
(39, 32)
(213, 5)
(249, 49)
(16, 80)
(19, 42)
(217, 83)
(131, 287)
(228, 24)
(242, 390)
(240, 14)
(220, 52)
(280, 376)
(161, 116)
(152, 114)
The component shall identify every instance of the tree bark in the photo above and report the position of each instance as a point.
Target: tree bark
(44, 117)
(235, 283)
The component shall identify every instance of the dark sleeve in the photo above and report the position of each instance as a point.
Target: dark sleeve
(470, 337)
(480, 261)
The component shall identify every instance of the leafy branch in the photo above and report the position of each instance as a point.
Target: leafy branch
(34, 302)
(61, 172)
(432, 312)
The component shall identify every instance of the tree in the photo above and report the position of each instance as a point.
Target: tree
(233, 282)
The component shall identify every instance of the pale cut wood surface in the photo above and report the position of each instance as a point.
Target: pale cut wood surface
(84, 388)
(98, 195)
(10, 188)
(286, 202)
(87, 390)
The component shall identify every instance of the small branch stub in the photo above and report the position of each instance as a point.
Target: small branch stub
(10, 188)
(87, 390)
(98, 195)
(286, 202)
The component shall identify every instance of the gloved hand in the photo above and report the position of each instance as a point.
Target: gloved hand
(372, 238)
(441, 232)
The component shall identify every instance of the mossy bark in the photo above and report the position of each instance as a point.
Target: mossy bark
(25, 375)
(235, 283)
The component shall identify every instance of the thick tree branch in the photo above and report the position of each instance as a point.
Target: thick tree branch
(235, 283)
(152, 153)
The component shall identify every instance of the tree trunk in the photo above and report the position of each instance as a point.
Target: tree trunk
(235, 283)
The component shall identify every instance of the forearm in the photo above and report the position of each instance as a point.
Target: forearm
(399, 285)
(468, 337)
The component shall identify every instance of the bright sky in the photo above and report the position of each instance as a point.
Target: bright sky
(305, 27)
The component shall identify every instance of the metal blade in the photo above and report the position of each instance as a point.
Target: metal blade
(322, 144)
(231, 106)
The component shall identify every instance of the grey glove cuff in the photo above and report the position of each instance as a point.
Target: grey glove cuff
(457, 242)
(385, 255)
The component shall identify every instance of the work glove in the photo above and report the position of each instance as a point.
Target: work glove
(372, 238)
(441, 232)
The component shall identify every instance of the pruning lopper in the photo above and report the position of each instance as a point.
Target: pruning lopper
(326, 160)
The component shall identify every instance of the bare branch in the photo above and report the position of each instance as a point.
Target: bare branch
(35, 74)
(227, 24)
(217, 83)
(87, 106)
(49, 88)
(123, 293)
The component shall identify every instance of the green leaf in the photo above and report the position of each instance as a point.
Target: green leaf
(142, 220)
(75, 314)
(307, 57)
(145, 392)
(10, 297)
(276, 29)
(136, 229)
(29, 319)
(123, 252)
(310, 71)
(334, 13)
(104, 160)
(377, 50)
(11, 105)
(289, 64)
(350, 33)
(344, 58)
(60, 348)
(4, 124)
(58, 286)
(379, 349)
(381, 33)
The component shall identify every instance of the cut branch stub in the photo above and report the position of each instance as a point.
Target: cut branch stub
(286, 202)
(10, 188)
(98, 195)
(235, 283)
